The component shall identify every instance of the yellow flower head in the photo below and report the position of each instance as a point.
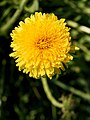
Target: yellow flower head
(41, 45)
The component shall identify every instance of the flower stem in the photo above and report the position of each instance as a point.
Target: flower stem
(49, 95)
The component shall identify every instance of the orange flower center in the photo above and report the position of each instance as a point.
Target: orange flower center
(44, 43)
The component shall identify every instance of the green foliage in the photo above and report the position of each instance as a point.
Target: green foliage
(23, 98)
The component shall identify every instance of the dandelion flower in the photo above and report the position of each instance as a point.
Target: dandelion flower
(41, 45)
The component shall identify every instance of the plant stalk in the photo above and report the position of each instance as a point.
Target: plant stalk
(48, 93)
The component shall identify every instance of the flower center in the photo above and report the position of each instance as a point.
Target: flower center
(44, 43)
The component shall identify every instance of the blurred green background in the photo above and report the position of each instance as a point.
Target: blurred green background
(22, 97)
